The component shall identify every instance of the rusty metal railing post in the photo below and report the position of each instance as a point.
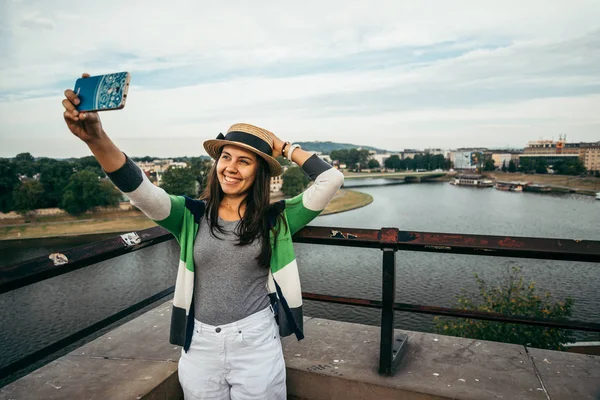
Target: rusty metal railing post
(391, 348)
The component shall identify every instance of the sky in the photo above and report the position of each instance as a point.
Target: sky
(390, 74)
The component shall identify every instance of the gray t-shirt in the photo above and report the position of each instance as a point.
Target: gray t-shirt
(229, 283)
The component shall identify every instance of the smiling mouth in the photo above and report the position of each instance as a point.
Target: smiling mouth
(230, 179)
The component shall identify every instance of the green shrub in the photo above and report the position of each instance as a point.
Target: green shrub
(512, 297)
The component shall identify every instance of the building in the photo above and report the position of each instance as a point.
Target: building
(276, 184)
(543, 147)
(380, 158)
(588, 153)
(591, 156)
(466, 159)
(501, 159)
(550, 159)
(156, 168)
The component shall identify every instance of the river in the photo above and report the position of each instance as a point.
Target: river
(42, 313)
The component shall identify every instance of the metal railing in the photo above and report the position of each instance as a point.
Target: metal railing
(389, 240)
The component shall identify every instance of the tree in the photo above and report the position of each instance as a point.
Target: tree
(504, 167)
(201, 168)
(573, 166)
(54, 177)
(89, 163)
(394, 162)
(283, 161)
(373, 164)
(294, 181)
(28, 197)
(489, 165)
(8, 180)
(540, 166)
(353, 158)
(527, 165)
(25, 164)
(512, 167)
(85, 191)
(180, 181)
(511, 297)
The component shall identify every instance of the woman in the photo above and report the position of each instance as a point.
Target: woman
(238, 289)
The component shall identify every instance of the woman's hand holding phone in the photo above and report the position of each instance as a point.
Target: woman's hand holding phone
(85, 125)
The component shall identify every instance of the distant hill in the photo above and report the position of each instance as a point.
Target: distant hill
(328, 147)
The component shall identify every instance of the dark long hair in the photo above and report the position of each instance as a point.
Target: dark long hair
(254, 223)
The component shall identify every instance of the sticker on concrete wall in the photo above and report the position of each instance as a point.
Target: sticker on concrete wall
(58, 259)
(131, 239)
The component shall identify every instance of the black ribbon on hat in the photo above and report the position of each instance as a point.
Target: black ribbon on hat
(248, 139)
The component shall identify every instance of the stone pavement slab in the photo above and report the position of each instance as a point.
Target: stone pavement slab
(434, 366)
(145, 338)
(568, 375)
(75, 377)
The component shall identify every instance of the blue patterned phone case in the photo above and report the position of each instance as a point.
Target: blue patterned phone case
(102, 92)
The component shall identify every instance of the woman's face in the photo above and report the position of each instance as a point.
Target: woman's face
(236, 170)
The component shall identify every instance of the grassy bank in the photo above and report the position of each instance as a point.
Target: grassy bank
(129, 221)
(587, 185)
(346, 200)
(75, 228)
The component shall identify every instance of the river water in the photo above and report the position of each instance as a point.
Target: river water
(40, 314)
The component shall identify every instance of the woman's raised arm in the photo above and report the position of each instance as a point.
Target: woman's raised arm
(165, 210)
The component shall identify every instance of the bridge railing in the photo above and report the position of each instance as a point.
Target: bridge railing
(389, 240)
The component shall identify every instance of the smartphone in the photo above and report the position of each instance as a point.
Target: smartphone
(102, 92)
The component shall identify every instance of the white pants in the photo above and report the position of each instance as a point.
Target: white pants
(242, 360)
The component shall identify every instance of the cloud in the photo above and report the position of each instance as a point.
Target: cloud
(37, 23)
(426, 74)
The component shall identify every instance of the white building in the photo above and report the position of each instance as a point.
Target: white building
(276, 184)
(158, 167)
(464, 160)
(381, 158)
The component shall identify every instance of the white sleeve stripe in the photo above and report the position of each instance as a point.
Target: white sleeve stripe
(152, 200)
(326, 185)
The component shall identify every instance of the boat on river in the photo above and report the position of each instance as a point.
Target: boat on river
(472, 180)
(534, 187)
(510, 186)
(598, 196)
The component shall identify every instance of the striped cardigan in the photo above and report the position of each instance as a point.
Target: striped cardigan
(181, 216)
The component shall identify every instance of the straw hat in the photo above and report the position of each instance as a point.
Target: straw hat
(249, 137)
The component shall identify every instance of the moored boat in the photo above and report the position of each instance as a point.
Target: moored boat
(472, 180)
(534, 187)
(598, 196)
(510, 186)
(516, 188)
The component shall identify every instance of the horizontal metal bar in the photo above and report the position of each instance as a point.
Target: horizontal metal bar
(62, 343)
(484, 245)
(352, 301)
(471, 314)
(459, 313)
(38, 269)
(35, 270)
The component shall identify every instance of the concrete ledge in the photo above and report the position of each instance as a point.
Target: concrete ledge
(134, 361)
(434, 367)
(336, 360)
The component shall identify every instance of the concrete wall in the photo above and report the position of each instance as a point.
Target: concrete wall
(336, 360)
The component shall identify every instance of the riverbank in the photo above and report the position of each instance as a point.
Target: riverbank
(129, 221)
(346, 200)
(560, 183)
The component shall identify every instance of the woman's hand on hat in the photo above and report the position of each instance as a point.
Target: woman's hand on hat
(277, 145)
(85, 125)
